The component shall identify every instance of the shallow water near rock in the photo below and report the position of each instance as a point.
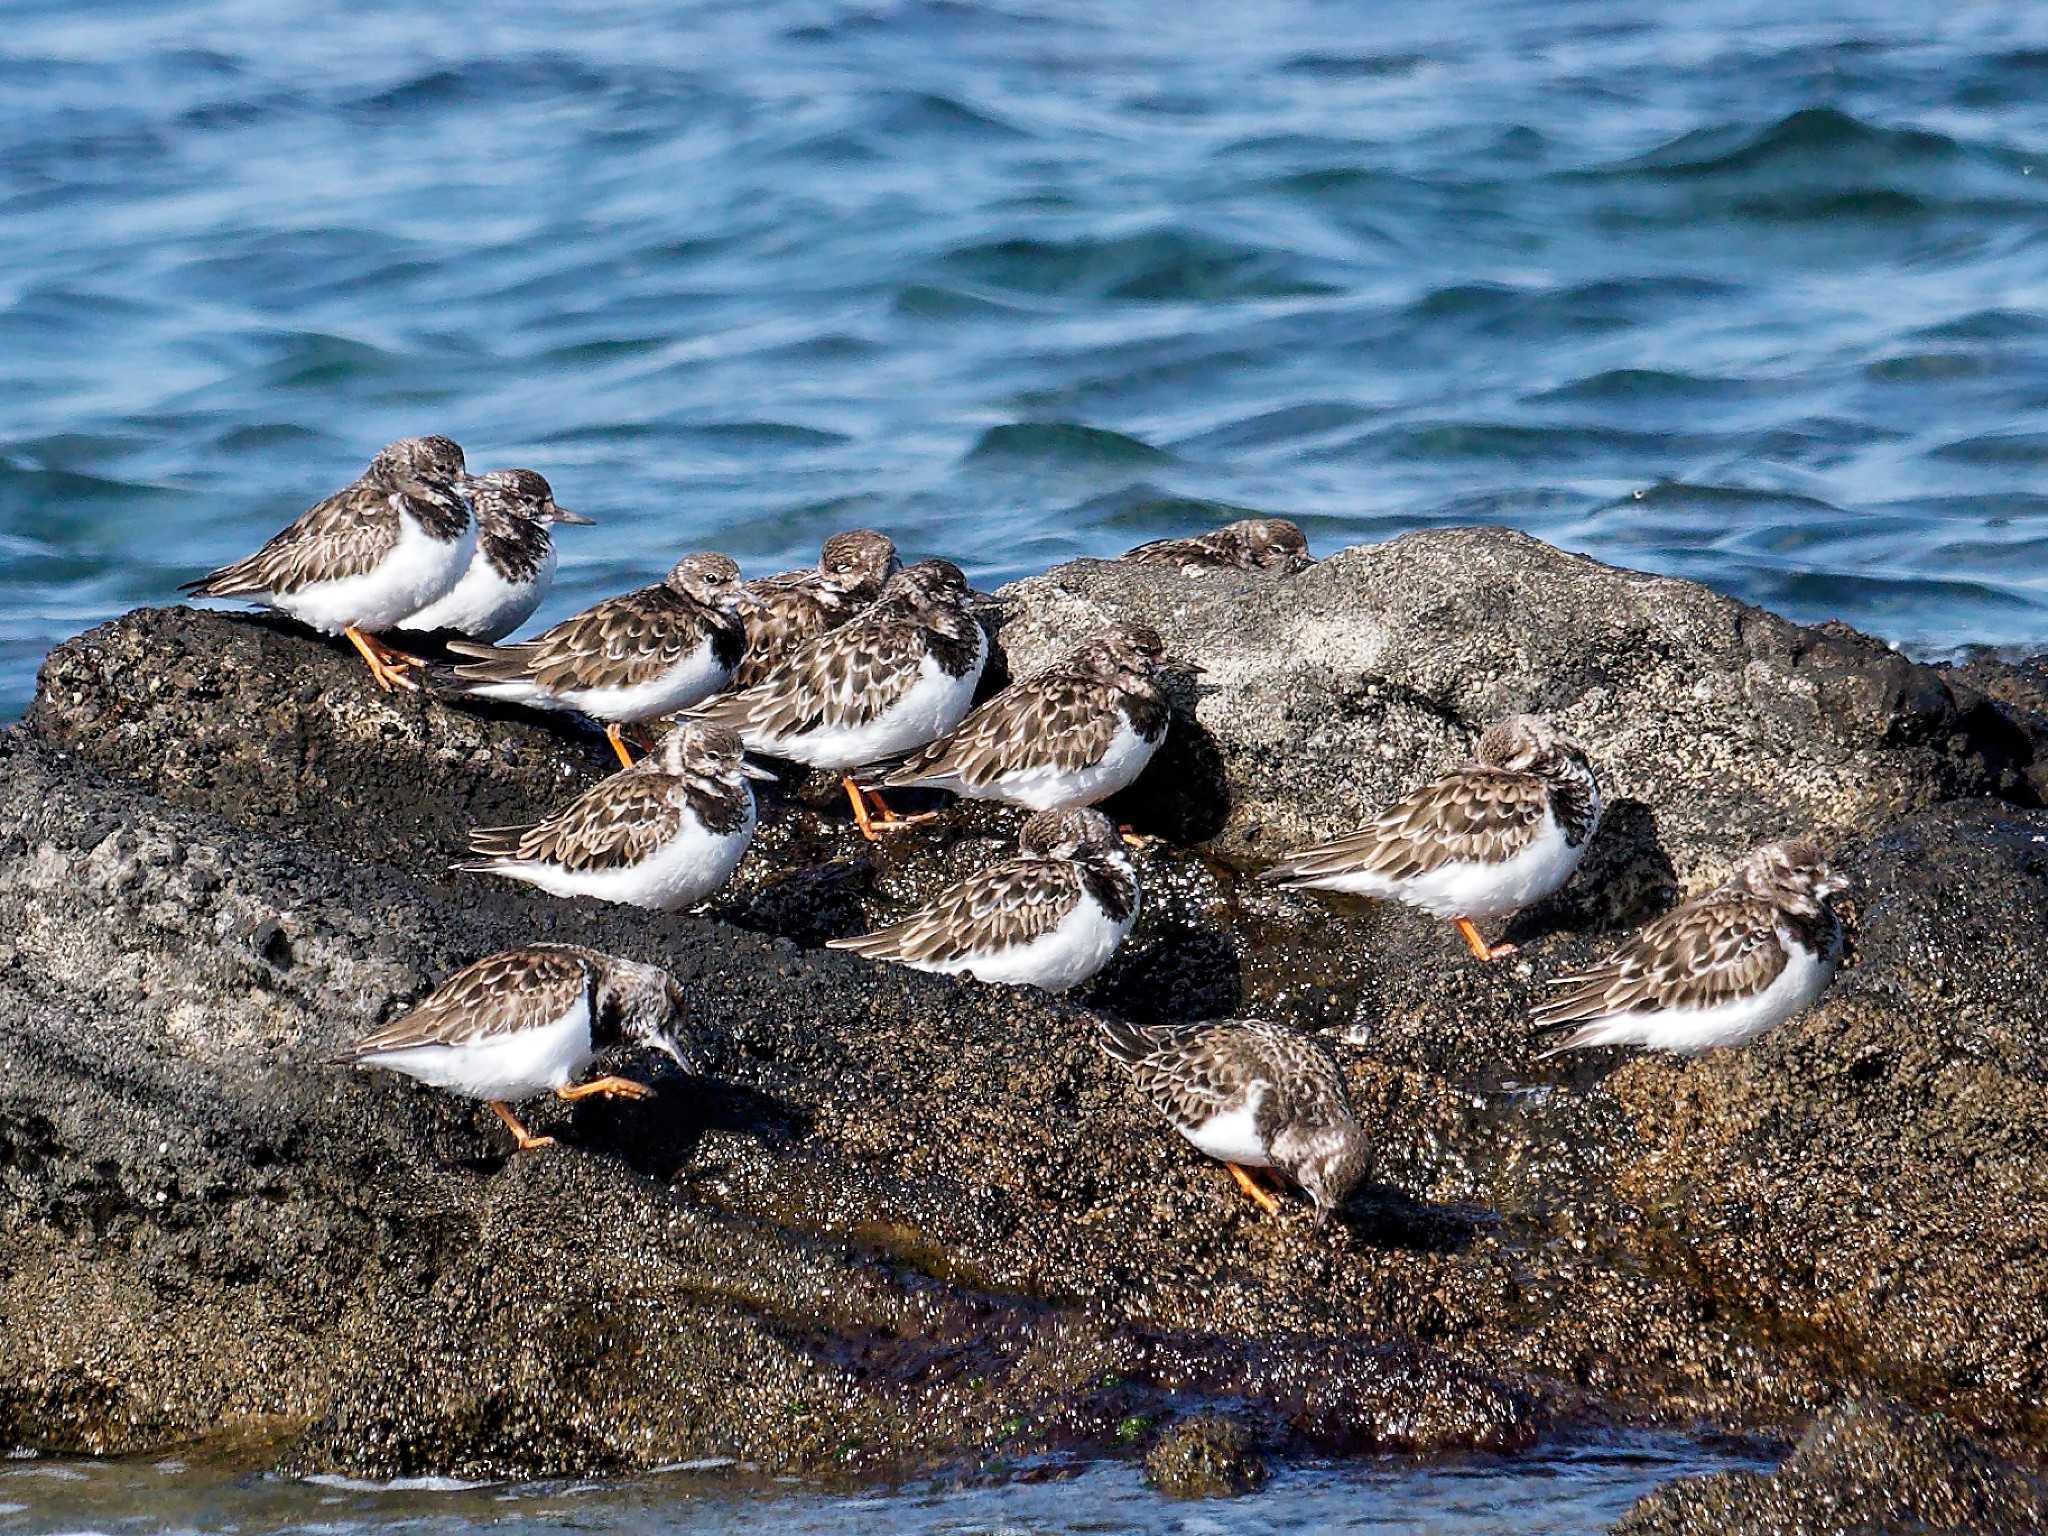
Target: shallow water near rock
(1742, 294)
(1571, 1491)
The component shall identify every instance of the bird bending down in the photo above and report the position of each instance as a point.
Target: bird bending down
(1252, 1095)
(528, 1021)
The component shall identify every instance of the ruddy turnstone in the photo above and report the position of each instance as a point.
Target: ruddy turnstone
(901, 674)
(1255, 544)
(782, 612)
(1251, 1095)
(525, 1022)
(1051, 917)
(629, 658)
(663, 834)
(356, 564)
(1717, 971)
(1485, 840)
(514, 563)
(1070, 734)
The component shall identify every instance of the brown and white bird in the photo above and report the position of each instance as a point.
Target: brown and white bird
(1721, 970)
(526, 1022)
(360, 562)
(663, 834)
(626, 659)
(894, 678)
(1253, 544)
(781, 612)
(1051, 917)
(514, 564)
(1485, 840)
(1073, 733)
(1251, 1094)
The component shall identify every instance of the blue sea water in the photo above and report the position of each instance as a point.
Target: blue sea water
(1752, 292)
(1565, 1491)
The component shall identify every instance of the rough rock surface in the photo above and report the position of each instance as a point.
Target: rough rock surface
(903, 1221)
(1867, 1469)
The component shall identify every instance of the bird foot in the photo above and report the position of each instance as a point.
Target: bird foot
(606, 1087)
(525, 1139)
(1481, 950)
(1252, 1187)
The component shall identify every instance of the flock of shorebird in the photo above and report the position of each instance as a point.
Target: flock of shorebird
(868, 668)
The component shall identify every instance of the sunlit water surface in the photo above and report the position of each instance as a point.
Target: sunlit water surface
(1745, 291)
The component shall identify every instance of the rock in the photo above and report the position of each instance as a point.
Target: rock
(1210, 1456)
(1866, 1469)
(903, 1222)
(1713, 725)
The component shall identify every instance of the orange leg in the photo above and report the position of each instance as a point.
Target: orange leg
(387, 667)
(1252, 1187)
(528, 1142)
(1136, 839)
(1480, 948)
(613, 735)
(610, 1087)
(871, 825)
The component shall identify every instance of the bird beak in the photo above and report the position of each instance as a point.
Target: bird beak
(986, 602)
(757, 773)
(1182, 664)
(675, 1052)
(564, 515)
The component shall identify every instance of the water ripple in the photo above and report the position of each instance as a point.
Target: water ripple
(733, 276)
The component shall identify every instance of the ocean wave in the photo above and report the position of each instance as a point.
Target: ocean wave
(1062, 444)
(1163, 264)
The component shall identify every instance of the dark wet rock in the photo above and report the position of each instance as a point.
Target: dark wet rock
(1209, 1456)
(902, 1221)
(1866, 1469)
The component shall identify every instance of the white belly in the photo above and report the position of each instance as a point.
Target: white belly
(696, 677)
(1469, 889)
(680, 873)
(1065, 957)
(1233, 1137)
(418, 570)
(483, 604)
(932, 706)
(1050, 789)
(1691, 1030)
(507, 1067)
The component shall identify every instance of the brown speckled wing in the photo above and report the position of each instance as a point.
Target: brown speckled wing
(1485, 815)
(347, 534)
(612, 825)
(1194, 1072)
(842, 679)
(617, 643)
(783, 613)
(996, 909)
(1716, 950)
(1058, 718)
(501, 994)
(1210, 551)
